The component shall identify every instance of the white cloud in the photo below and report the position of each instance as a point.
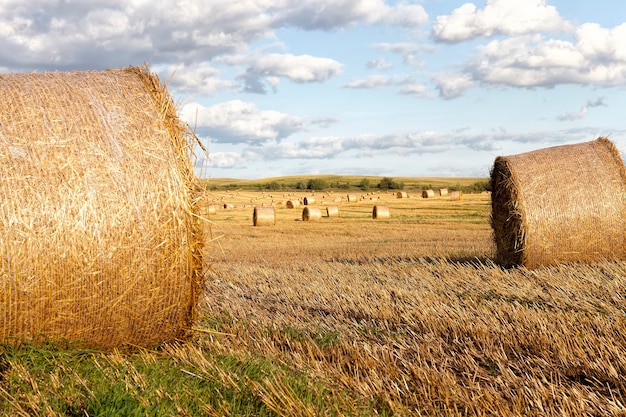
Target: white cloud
(237, 121)
(498, 17)
(378, 64)
(224, 160)
(453, 84)
(574, 115)
(372, 81)
(193, 79)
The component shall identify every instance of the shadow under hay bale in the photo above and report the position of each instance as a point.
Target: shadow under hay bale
(332, 211)
(558, 205)
(381, 212)
(101, 241)
(311, 214)
(264, 216)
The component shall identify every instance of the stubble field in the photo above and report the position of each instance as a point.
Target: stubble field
(354, 316)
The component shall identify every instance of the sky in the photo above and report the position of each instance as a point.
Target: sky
(428, 88)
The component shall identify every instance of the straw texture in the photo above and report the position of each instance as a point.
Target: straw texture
(560, 204)
(264, 216)
(99, 239)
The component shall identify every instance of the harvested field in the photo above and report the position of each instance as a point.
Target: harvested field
(351, 316)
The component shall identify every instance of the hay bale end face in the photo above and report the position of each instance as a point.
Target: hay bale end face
(381, 212)
(100, 233)
(559, 205)
(311, 214)
(264, 216)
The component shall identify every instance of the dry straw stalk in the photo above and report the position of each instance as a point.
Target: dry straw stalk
(100, 240)
(559, 204)
(264, 216)
(381, 212)
(311, 214)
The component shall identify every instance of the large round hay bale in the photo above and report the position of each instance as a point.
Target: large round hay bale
(560, 204)
(351, 198)
(332, 211)
(309, 200)
(443, 192)
(428, 193)
(264, 216)
(100, 237)
(311, 214)
(402, 194)
(381, 212)
(292, 204)
(456, 195)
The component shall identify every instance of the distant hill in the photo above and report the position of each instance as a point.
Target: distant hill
(347, 182)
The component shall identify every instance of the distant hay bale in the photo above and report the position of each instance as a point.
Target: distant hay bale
(381, 212)
(402, 194)
(443, 192)
(332, 211)
(212, 209)
(309, 200)
(560, 204)
(336, 199)
(292, 204)
(264, 216)
(310, 214)
(101, 238)
(428, 193)
(456, 196)
(352, 198)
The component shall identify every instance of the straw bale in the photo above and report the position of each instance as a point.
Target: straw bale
(558, 205)
(311, 214)
(100, 237)
(264, 216)
(212, 209)
(428, 193)
(309, 200)
(292, 204)
(443, 192)
(381, 212)
(336, 199)
(402, 194)
(351, 198)
(456, 195)
(332, 211)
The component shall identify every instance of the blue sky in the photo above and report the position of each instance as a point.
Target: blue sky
(360, 87)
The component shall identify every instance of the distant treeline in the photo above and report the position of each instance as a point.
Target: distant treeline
(365, 184)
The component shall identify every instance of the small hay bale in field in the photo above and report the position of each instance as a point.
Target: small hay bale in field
(332, 211)
(456, 195)
(101, 238)
(336, 199)
(264, 216)
(560, 204)
(381, 212)
(212, 209)
(428, 193)
(402, 194)
(443, 192)
(292, 204)
(310, 214)
(351, 198)
(309, 200)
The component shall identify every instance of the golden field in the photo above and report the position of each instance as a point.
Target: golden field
(408, 315)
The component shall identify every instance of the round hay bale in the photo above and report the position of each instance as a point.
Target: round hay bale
(292, 204)
(428, 194)
(311, 214)
(336, 199)
(309, 200)
(402, 194)
(443, 192)
(351, 198)
(332, 211)
(558, 205)
(381, 212)
(456, 195)
(212, 209)
(101, 238)
(264, 216)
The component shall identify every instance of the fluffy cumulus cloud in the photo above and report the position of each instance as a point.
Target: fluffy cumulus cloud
(237, 121)
(498, 17)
